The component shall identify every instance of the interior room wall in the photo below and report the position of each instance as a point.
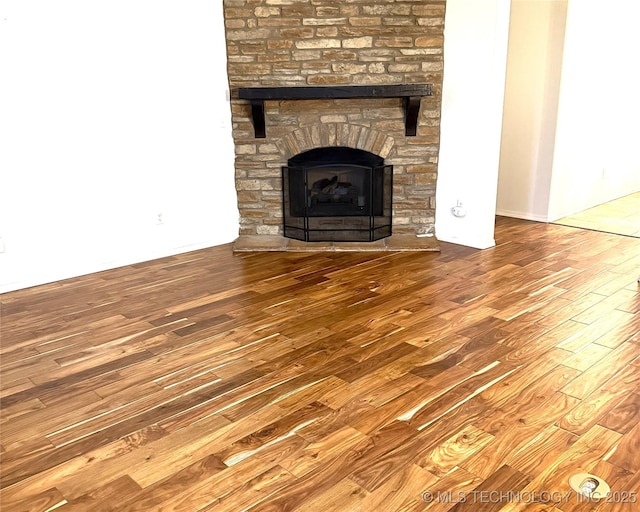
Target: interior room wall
(475, 55)
(596, 158)
(534, 64)
(115, 135)
(570, 107)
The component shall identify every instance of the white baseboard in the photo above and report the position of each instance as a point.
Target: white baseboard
(522, 215)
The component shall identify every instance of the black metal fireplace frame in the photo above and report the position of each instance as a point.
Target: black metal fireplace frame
(302, 219)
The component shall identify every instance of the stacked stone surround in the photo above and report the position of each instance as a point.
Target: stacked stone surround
(274, 43)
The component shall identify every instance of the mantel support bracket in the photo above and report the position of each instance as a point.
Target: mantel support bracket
(411, 110)
(257, 114)
(411, 93)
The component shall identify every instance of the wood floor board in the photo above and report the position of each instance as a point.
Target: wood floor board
(624, 415)
(599, 373)
(316, 453)
(323, 478)
(581, 457)
(37, 502)
(587, 356)
(627, 452)
(11, 386)
(459, 394)
(254, 491)
(93, 410)
(101, 499)
(562, 309)
(525, 446)
(598, 403)
(418, 447)
(455, 486)
(505, 480)
(54, 388)
(455, 450)
(629, 302)
(537, 402)
(222, 381)
(395, 492)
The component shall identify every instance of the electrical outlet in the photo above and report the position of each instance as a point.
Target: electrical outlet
(160, 219)
(1, 244)
(458, 210)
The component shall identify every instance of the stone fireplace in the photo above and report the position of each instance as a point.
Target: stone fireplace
(290, 45)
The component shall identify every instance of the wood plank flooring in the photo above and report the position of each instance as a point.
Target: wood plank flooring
(220, 381)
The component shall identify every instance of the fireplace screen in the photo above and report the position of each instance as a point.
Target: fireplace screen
(337, 194)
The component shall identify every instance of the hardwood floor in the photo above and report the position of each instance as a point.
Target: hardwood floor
(331, 381)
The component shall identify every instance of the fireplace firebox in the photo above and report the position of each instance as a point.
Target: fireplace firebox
(337, 194)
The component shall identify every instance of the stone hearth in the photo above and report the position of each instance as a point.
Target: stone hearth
(395, 243)
(289, 43)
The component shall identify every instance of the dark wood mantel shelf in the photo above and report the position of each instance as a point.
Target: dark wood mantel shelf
(412, 94)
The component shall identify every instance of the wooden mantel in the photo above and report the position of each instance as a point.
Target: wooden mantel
(412, 94)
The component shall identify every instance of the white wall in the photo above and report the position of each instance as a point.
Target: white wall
(596, 155)
(111, 113)
(534, 64)
(571, 107)
(475, 54)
